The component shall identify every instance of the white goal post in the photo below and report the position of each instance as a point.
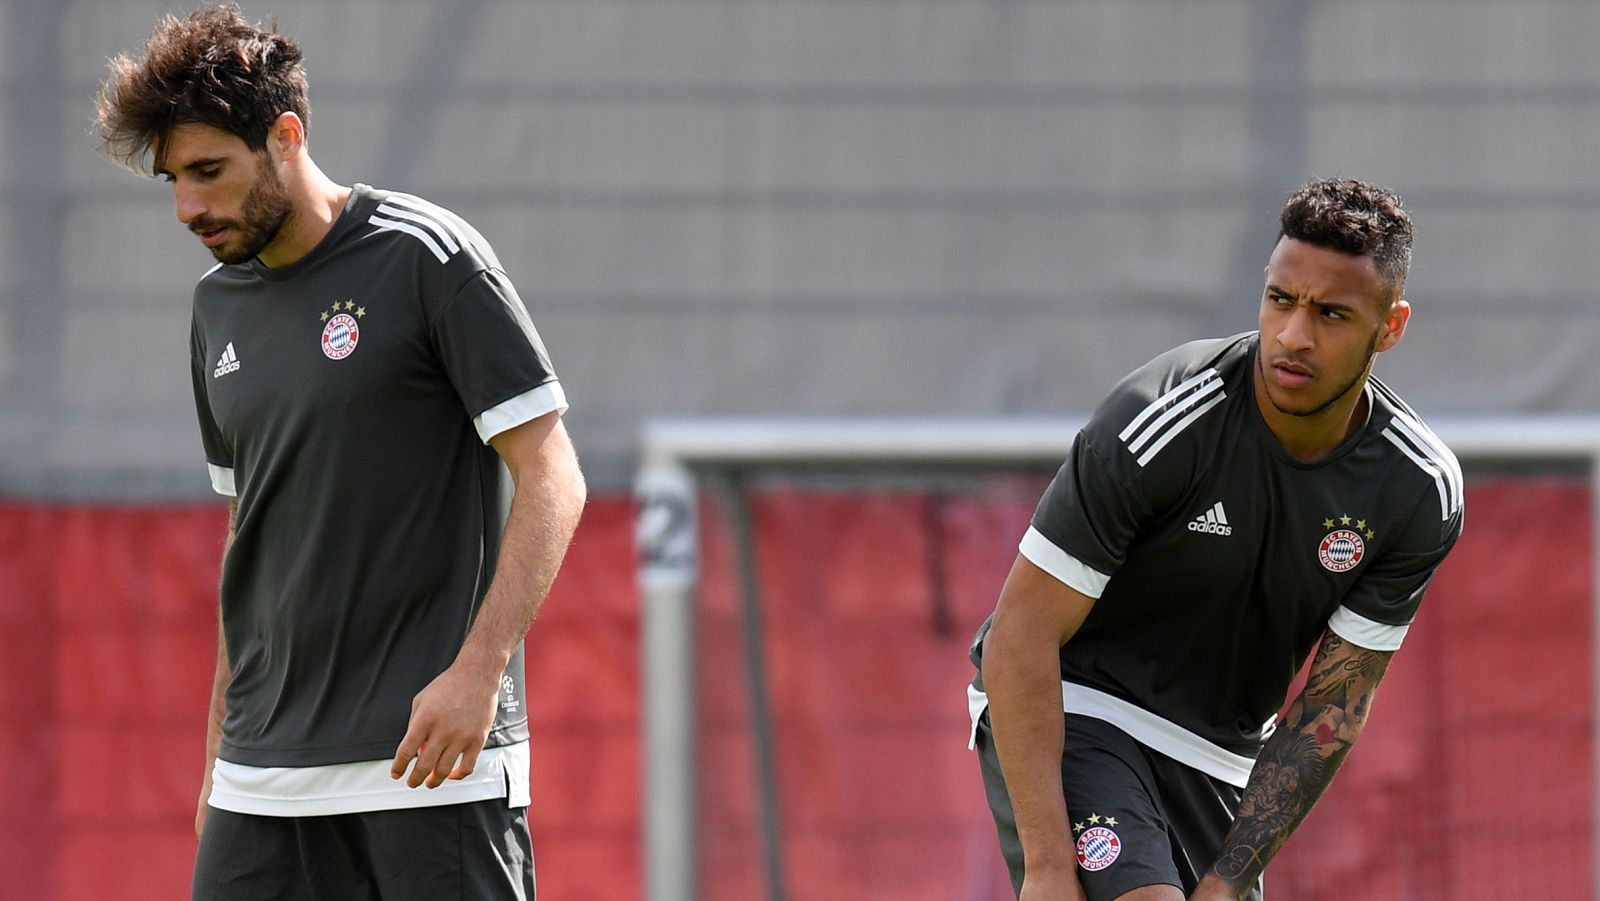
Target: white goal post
(677, 454)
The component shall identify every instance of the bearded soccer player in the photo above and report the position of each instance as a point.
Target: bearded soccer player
(362, 366)
(1231, 505)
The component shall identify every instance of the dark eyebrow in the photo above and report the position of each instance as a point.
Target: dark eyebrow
(195, 165)
(1319, 304)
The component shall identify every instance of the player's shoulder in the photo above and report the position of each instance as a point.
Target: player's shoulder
(1421, 456)
(424, 227)
(220, 278)
(1173, 393)
(1188, 360)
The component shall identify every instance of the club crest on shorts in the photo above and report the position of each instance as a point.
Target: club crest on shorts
(340, 332)
(1098, 848)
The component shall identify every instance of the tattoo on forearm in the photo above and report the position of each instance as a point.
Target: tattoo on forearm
(1299, 760)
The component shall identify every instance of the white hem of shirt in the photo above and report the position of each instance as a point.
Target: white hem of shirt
(1366, 633)
(222, 480)
(525, 407)
(1067, 569)
(1155, 733)
(364, 786)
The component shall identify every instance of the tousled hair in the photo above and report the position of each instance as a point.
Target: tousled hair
(1353, 217)
(211, 68)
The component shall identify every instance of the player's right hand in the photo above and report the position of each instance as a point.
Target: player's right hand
(450, 721)
(1052, 885)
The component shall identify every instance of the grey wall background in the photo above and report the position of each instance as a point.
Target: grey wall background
(835, 207)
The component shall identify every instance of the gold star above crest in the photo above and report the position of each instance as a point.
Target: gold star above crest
(1327, 523)
(1111, 821)
(360, 312)
(324, 315)
(349, 305)
(1360, 524)
(1077, 827)
(1344, 520)
(1370, 536)
(1094, 818)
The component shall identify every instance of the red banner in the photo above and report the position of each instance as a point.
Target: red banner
(1474, 779)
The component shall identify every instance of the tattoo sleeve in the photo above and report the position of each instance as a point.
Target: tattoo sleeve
(1300, 758)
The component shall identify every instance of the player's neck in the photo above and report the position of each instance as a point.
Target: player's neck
(315, 203)
(1310, 438)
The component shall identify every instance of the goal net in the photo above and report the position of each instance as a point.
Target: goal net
(810, 589)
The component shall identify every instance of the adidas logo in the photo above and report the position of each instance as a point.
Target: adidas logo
(228, 363)
(1212, 522)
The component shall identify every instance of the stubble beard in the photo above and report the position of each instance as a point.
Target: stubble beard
(1346, 388)
(265, 211)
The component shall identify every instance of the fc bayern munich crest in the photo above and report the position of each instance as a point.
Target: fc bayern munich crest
(1098, 848)
(1341, 551)
(340, 336)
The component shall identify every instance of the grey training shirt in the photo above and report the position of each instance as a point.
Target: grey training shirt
(346, 400)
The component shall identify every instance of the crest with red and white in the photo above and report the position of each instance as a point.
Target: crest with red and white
(1098, 846)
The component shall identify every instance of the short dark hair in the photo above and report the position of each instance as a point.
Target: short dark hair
(1353, 217)
(212, 68)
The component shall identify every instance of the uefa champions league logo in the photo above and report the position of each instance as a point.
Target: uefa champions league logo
(508, 691)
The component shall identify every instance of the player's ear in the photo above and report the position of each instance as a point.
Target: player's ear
(286, 137)
(1394, 324)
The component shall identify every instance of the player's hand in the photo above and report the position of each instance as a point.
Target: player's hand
(1052, 885)
(450, 721)
(1212, 889)
(204, 805)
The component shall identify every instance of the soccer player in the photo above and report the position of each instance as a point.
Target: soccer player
(362, 367)
(1230, 505)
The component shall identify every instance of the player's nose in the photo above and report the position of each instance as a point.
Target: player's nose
(189, 205)
(1296, 331)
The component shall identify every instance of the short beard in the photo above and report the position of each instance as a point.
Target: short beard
(266, 209)
(1372, 351)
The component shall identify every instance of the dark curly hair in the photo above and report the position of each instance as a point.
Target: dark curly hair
(212, 68)
(1353, 217)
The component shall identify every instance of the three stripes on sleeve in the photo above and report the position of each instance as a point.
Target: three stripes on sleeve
(422, 220)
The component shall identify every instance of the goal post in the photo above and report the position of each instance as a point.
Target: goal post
(681, 457)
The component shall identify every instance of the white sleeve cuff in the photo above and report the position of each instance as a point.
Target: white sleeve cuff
(525, 407)
(1366, 633)
(1067, 569)
(222, 480)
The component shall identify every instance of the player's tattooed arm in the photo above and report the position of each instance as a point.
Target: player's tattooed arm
(1299, 760)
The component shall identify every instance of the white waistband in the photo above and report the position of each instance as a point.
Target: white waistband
(1160, 735)
(363, 786)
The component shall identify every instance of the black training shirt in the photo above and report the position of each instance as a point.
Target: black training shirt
(1218, 559)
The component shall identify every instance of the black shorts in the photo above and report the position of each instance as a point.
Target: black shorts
(457, 852)
(1140, 817)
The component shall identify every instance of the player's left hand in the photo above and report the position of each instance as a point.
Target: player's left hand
(450, 720)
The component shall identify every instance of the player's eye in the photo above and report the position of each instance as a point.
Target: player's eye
(210, 173)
